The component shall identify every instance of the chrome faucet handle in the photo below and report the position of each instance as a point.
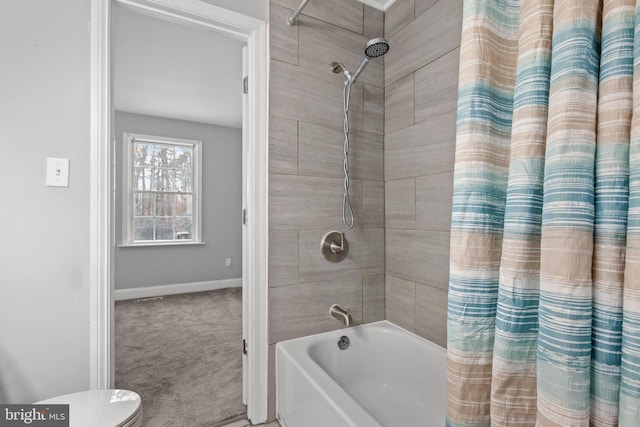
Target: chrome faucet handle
(334, 246)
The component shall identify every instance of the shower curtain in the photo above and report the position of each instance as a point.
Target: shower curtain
(544, 290)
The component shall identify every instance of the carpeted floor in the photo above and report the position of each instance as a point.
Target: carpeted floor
(182, 354)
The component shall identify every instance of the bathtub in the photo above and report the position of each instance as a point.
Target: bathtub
(387, 377)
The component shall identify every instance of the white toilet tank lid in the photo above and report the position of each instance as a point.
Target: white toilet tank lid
(99, 408)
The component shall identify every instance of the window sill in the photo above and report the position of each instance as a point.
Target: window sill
(146, 245)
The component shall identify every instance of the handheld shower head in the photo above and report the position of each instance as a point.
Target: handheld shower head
(374, 49)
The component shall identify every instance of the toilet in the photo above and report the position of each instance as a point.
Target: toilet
(101, 408)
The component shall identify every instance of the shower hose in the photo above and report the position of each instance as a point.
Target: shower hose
(347, 210)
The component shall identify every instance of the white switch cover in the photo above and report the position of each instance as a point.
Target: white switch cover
(228, 262)
(57, 172)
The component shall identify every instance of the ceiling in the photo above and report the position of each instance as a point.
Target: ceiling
(165, 69)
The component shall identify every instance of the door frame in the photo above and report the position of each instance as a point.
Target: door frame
(255, 232)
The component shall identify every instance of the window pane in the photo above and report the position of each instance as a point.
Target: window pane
(164, 156)
(171, 179)
(142, 179)
(183, 181)
(143, 204)
(184, 158)
(142, 154)
(164, 205)
(164, 229)
(143, 228)
(183, 227)
(164, 179)
(183, 205)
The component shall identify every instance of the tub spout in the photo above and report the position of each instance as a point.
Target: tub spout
(341, 314)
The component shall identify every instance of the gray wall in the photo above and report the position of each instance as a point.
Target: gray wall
(221, 206)
(44, 259)
(421, 77)
(256, 8)
(44, 256)
(306, 175)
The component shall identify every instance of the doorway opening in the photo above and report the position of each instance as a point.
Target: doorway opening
(177, 131)
(248, 31)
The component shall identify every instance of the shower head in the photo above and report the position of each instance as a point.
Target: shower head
(374, 49)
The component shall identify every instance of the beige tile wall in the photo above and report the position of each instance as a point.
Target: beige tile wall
(306, 169)
(421, 76)
(403, 138)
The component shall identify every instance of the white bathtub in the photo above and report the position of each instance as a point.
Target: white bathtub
(388, 377)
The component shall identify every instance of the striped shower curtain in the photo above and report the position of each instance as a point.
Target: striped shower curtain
(544, 291)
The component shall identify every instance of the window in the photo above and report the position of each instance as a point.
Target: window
(162, 181)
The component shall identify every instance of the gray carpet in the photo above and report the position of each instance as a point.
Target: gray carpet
(182, 355)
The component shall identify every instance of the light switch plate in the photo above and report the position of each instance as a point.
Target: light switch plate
(57, 172)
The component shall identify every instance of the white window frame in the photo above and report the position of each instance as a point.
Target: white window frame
(128, 207)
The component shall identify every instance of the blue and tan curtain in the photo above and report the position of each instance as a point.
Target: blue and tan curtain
(544, 292)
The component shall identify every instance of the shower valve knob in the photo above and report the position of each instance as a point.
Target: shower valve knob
(334, 246)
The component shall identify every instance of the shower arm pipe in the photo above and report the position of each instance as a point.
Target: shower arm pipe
(292, 19)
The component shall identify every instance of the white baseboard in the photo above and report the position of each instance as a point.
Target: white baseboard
(179, 288)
